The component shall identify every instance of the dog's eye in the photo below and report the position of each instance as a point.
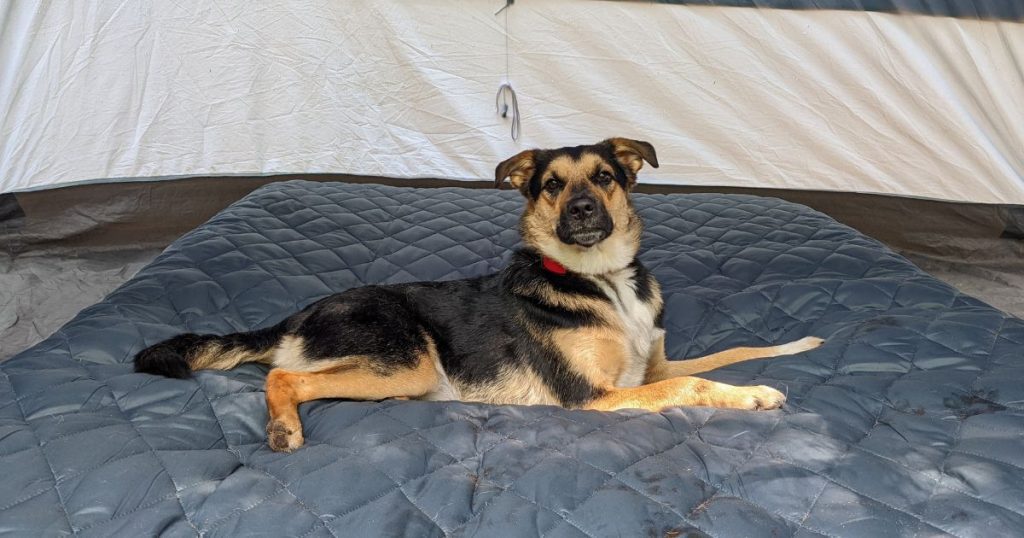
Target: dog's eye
(603, 178)
(553, 186)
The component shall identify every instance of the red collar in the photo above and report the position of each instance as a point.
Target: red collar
(552, 266)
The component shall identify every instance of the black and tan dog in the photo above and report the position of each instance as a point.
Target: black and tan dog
(574, 320)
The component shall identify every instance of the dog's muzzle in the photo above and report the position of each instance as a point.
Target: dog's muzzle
(584, 221)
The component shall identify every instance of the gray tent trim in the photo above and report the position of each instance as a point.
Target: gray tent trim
(1007, 10)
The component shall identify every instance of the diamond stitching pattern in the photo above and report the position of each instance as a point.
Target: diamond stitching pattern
(907, 358)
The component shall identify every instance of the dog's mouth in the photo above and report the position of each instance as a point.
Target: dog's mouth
(585, 230)
(587, 237)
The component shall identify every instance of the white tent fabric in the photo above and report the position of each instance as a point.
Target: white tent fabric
(892, 103)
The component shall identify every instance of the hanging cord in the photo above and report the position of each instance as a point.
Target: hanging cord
(505, 92)
(502, 107)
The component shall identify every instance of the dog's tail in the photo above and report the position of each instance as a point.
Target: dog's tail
(179, 356)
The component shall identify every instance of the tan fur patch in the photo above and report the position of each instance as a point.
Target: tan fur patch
(513, 386)
(598, 353)
(215, 357)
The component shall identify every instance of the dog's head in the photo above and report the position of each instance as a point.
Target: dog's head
(578, 210)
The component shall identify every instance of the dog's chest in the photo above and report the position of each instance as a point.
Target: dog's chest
(637, 320)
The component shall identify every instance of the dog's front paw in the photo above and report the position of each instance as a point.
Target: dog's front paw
(283, 438)
(759, 398)
(806, 343)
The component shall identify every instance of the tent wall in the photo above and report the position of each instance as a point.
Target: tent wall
(905, 102)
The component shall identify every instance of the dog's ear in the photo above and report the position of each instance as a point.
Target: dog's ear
(633, 153)
(518, 169)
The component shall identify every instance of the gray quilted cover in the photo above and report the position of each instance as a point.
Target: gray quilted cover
(909, 421)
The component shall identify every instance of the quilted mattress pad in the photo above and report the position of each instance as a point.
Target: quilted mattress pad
(909, 421)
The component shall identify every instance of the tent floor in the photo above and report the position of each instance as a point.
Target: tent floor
(65, 249)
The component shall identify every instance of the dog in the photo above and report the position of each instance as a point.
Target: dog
(574, 320)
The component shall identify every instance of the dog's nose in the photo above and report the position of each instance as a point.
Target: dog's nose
(581, 208)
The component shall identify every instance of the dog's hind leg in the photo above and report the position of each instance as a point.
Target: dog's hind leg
(354, 378)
